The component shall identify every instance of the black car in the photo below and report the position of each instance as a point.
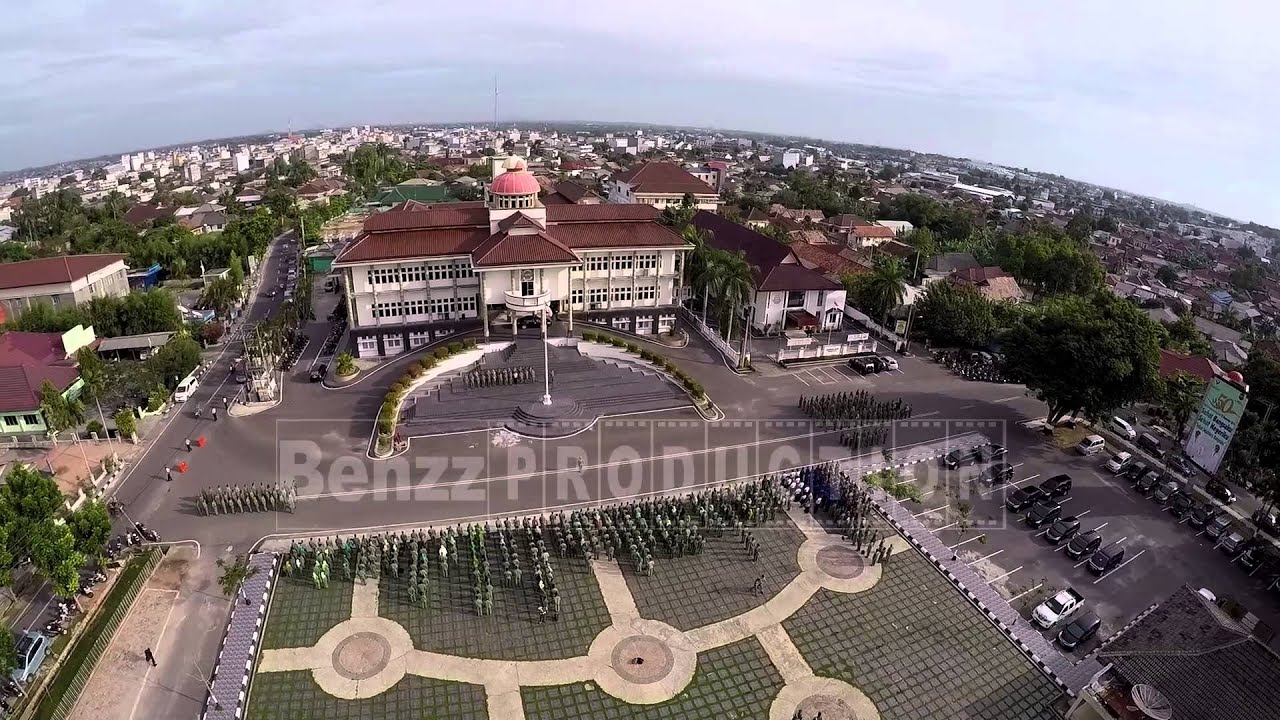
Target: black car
(863, 366)
(1181, 504)
(1083, 544)
(961, 457)
(1250, 559)
(1106, 559)
(1203, 514)
(1147, 483)
(1220, 492)
(1063, 529)
(1023, 498)
(997, 474)
(1135, 471)
(1043, 513)
(1267, 522)
(1057, 486)
(1165, 492)
(1079, 630)
(1179, 464)
(318, 372)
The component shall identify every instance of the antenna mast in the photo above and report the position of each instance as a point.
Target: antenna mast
(495, 101)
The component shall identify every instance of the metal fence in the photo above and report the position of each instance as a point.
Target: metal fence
(711, 336)
(100, 645)
(833, 351)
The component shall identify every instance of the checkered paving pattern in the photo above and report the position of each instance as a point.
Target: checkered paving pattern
(919, 650)
(732, 682)
(450, 625)
(300, 614)
(696, 590)
(295, 696)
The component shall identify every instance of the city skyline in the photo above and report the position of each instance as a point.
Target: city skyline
(1115, 100)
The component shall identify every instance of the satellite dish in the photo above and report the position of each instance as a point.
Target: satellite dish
(1152, 703)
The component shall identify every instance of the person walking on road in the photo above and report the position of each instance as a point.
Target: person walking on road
(188, 441)
(215, 414)
(224, 402)
(168, 474)
(150, 657)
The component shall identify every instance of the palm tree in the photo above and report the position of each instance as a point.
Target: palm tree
(698, 259)
(114, 205)
(234, 575)
(220, 295)
(735, 284)
(1181, 397)
(887, 285)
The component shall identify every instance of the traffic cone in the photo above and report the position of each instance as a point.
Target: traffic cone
(182, 466)
(200, 442)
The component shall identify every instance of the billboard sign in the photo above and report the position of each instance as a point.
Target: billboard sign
(1215, 424)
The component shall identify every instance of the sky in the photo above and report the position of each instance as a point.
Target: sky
(1175, 99)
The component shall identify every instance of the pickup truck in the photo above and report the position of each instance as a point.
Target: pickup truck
(1062, 605)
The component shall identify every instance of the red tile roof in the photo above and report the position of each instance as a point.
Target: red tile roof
(979, 275)
(405, 244)
(606, 212)
(20, 386)
(588, 236)
(873, 231)
(1172, 363)
(469, 214)
(663, 177)
(31, 348)
(54, 270)
(143, 213)
(504, 248)
(827, 258)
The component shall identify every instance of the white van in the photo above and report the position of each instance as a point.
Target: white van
(1119, 462)
(1123, 429)
(1091, 445)
(185, 389)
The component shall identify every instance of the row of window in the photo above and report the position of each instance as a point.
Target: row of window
(456, 269)
(434, 306)
(620, 262)
(620, 294)
(11, 421)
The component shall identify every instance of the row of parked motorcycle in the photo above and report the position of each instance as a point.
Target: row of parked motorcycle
(293, 352)
(980, 366)
(337, 327)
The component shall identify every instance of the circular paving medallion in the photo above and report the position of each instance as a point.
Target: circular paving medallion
(361, 656)
(841, 562)
(642, 659)
(831, 708)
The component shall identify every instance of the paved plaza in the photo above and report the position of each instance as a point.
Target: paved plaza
(828, 629)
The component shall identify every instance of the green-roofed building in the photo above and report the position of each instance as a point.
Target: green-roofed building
(417, 190)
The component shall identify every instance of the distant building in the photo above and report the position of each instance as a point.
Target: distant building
(60, 281)
(992, 282)
(661, 184)
(568, 192)
(27, 362)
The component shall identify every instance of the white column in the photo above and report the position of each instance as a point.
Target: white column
(546, 361)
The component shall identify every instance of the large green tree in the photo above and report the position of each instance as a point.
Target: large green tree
(1086, 354)
(1180, 396)
(91, 527)
(955, 316)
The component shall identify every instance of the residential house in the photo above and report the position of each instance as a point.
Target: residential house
(206, 219)
(568, 192)
(1193, 656)
(661, 184)
(144, 214)
(320, 190)
(1172, 363)
(943, 266)
(787, 293)
(757, 218)
(779, 211)
(858, 233)
(424, 272)
(27, 362)
(60, 281)
(992, 282)
(134, 347)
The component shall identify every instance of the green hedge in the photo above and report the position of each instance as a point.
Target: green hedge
(387, 413)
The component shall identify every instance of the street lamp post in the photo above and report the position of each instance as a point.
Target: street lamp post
(546, 361)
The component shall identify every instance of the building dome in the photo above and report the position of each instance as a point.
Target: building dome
(517, 180)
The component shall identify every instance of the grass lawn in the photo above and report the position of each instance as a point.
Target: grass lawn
(53, 691)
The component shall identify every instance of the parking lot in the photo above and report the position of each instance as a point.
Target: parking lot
(1161, 551)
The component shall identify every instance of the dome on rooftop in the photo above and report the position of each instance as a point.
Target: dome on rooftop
(517, 180)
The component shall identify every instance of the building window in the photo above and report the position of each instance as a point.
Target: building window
(795, 299)
(646, 262)
(392, 342)
(31, 419)
(526, 288)
(576, 268)
(622, 294)
(621, 323)
(622, 262)
(597, 295)
(598, 263)
(418, 339)
(575, 296)
(644, 326)
(10, 421)
(368, 344)
(646, 292)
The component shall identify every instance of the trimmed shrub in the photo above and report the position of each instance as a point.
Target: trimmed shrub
(414, 371)
(427, 363)
(93, 426)
(589, 336)
(469, 343)
(632, 347)
(617, 342)
(386, 425)
(454, 348)
(398, 387)
(694, 387)
(648, 355)
(441, 353)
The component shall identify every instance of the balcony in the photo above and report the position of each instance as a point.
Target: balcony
(526, 303)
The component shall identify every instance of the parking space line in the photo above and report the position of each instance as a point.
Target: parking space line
(986, 557)
(966, 542)
(797, 376)
(1011, 397)
(946, 527)
(1086, 512)
(998, 579)
(927, 512)
(1008, 485)
(1119, 567)
(1024, 592)
(1101, 526)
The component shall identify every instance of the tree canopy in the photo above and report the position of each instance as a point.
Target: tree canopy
(1088, 354)
(1048, 262)
(947, 222)
(32, 511)
(956, 316)
(133, 314)
(374, 164)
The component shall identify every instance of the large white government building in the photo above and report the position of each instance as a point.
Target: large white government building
(419, 272)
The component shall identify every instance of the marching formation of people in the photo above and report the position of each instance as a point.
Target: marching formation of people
(258, 497)
(847, 409)
(844, 500)
(491, 377)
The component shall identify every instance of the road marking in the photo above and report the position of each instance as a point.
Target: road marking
(1027, 591)
(924, 415)
(927, 512)
(986, 557)
(1086, 512)
(1011, 397)
(1101, 526)
(965, 407)
(966, 542)
(168, 616)
(998, 579)
(1119, 567)
(1008, 485)
(797, 376)
(946, 527)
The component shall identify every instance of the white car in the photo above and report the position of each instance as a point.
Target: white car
(1123, 429)
(1119, 462)
(1061, 605)
(889, 363)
